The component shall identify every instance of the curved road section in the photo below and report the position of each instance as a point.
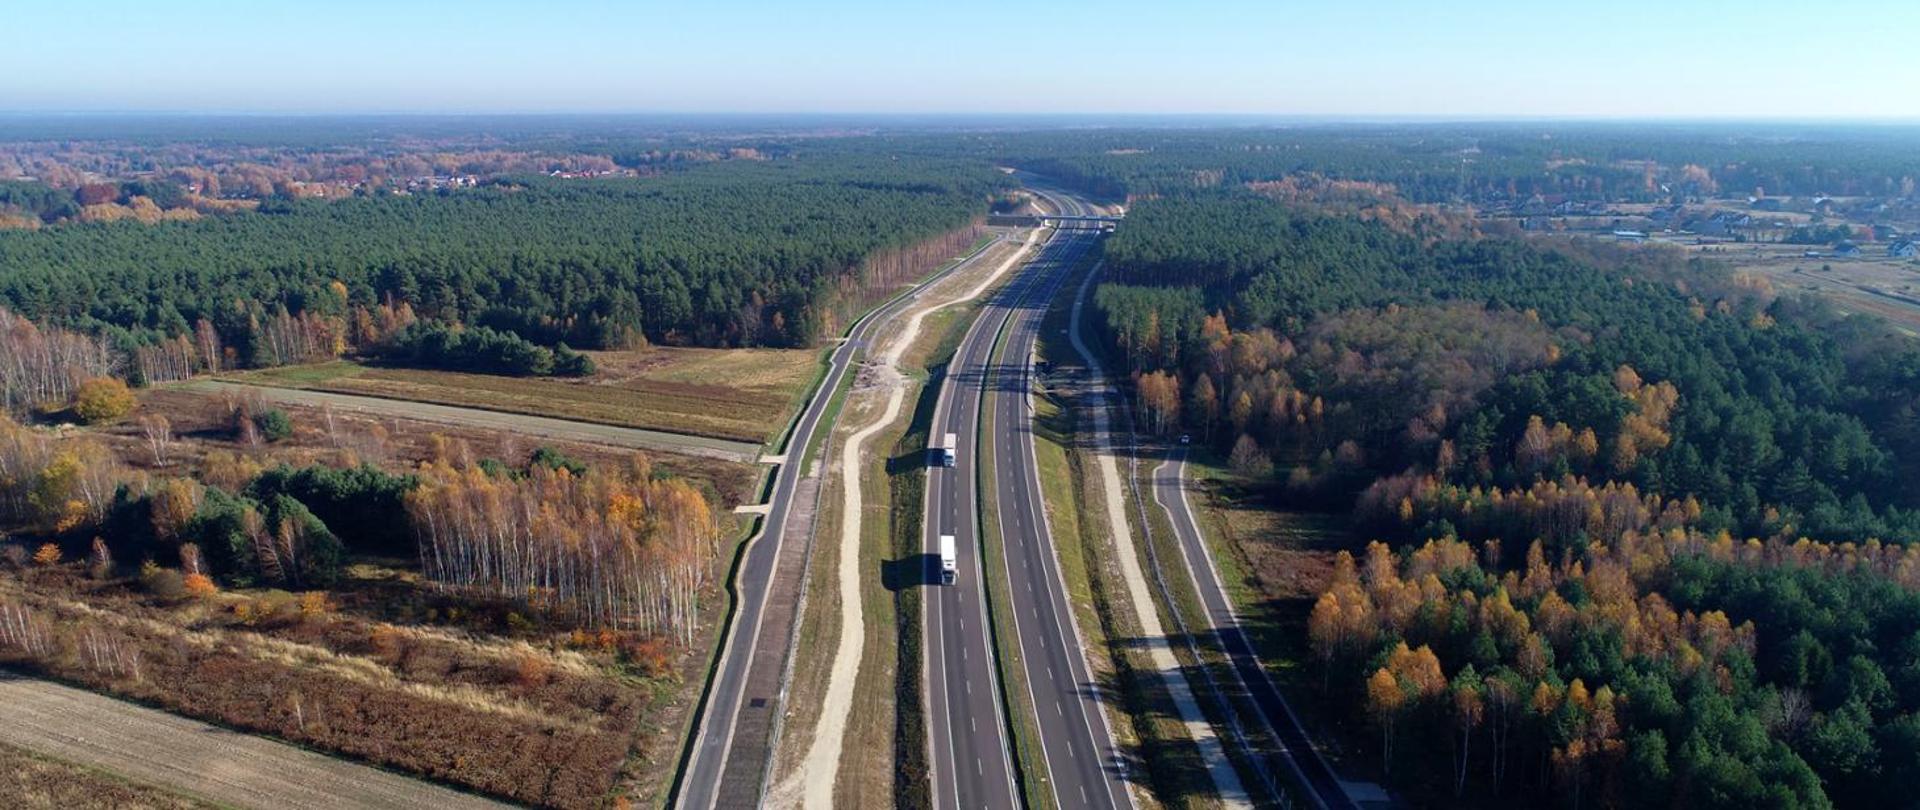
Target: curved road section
(1296, 748)
(1082, 766)
(727, 764)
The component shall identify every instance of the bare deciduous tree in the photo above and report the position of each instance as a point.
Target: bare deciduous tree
(610, 547)
(41, 365)
(159, 435)
(333, 424)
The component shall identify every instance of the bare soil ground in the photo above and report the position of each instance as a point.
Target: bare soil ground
(31, 781)
(186, 755)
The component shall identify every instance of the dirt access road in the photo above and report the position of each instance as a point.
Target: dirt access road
(527, 424)
(197, 759)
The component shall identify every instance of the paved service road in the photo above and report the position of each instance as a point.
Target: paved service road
(750, 641)
(1296, 749)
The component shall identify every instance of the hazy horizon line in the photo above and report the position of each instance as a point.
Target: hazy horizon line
(961, 114)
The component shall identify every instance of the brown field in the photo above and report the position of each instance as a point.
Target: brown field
(738, 394)
(33, 782)
(480, 693)
(1872, 284)
(471, 691)
(384, 669)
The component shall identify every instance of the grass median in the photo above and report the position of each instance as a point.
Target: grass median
(1015, 693)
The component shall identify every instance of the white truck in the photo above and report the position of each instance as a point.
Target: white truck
(949, 450)
(949, 564)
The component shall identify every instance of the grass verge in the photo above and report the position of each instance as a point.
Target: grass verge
(666, 389)
(906, 486)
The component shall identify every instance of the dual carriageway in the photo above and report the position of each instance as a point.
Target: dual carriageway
(984, 403)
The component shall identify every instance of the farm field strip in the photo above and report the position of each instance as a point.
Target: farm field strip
(200, 759)
(737, 395)
(34, 781)
(529, 424)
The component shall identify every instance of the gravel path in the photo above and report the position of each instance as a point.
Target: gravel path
(201, 760)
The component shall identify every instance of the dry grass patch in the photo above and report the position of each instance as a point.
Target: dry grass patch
(32, 782)
(1274, 563)
(394, 444)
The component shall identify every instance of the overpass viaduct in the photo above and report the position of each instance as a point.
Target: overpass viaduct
(1065, 221)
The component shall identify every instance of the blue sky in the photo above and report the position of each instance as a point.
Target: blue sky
(1352, 58)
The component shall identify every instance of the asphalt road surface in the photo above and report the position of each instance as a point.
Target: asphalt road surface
(749, 641)
(967, 729)
(971, 755)
(1296, 749)
(1080, 763)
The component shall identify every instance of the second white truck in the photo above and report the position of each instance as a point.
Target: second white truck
(949, 450)
(949, 563)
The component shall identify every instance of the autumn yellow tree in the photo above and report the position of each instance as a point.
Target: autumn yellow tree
(611, 547)
(1343, 619)
(172, 504)
(102, 399)
(1385, 699)
(1204, 403)
(1468, 710)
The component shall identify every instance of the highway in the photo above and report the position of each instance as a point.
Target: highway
(722, 770)
(1296, 748)
(1082, 766)
(970, 750)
